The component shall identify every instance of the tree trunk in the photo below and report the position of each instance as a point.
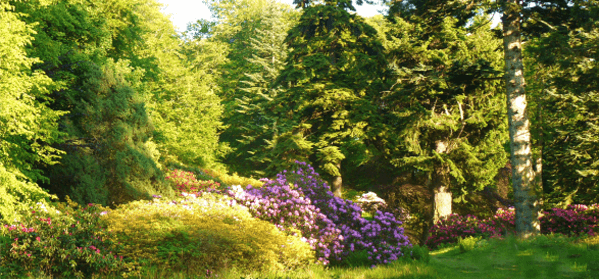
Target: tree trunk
(442, 203)
(527, 223)
(442, 199)
(337, 183)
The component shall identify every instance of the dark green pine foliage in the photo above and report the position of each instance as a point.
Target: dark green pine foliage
(110, 158)
(335, 68)
(564, 82)
(255, 123)
(445, 116)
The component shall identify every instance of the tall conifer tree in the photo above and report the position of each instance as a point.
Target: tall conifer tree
(446, 108)
(335, 67)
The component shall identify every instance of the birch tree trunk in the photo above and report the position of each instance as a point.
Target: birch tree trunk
(523, 176)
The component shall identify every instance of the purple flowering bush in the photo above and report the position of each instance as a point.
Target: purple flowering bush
(333, 226)
(287, 208)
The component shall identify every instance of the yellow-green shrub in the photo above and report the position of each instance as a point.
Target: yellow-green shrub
(234, 179)
(203, 233)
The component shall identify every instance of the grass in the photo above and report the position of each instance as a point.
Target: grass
(552, 256)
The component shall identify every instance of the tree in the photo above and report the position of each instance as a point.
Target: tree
(523, 176)
(28, 127)
(563, 80)
(444, 119)
(181, 96)
(253, 123)
(335, 67)
(107, 134)
(243, 28)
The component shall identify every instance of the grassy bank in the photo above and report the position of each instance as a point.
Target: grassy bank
(540, 257)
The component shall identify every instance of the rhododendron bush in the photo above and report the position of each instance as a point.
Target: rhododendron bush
(59, 240)
(186, 182)
(575, 220)
(334, 226)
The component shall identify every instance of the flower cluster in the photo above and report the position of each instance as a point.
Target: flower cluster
(453, 227)
(72, 243)
(574, 220)
(186, 182)
(278, 203)
(333, 226)
(382, 237)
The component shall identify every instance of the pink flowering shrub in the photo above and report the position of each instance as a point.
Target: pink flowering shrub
(576, 219)
(186, 182)
(66, 241)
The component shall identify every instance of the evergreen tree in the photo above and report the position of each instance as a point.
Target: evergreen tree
(335, 67)
(253, 124)
(444, 117)
(182, 95)
(563, 80)
(110, 157)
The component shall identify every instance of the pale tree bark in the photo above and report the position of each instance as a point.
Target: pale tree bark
(523, 176)
(442, 198)
(337, 183)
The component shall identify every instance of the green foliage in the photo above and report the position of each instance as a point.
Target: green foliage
(335, 68)
(181, 97)
(417, 253)
(110, 158)
(64, 240)
(27, 125)
(468, 243)
(102, 59)
(252, 124)
(446, 107)
(564, 75)
(203, 233)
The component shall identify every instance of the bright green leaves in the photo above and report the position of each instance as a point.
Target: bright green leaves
(27, 125)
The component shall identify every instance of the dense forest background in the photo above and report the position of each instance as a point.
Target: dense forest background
(98, 99)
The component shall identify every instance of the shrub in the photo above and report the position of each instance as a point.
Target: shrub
(575, 220)
(453, 227)
(300, 194)
(62, 240)
(186, 182)
(468, 243)
(234, 179)
(416, 252)
(204, 233)
(280, 204)
(382, 237)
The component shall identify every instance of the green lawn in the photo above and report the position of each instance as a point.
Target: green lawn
(540, 257)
